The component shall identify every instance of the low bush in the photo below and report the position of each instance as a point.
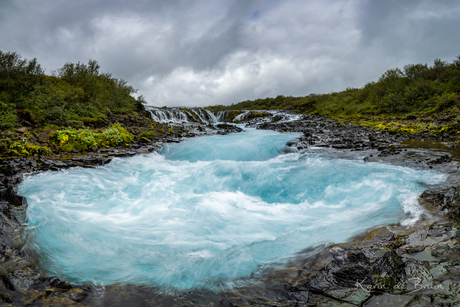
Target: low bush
(22, 148)
(146, 136)
(82, 139)
(7, 116)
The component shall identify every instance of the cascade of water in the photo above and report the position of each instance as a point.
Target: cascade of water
(181, 115)
(205, 116)
(286, 116)
(281, 116)
(211, 116)
(154, 116)
(160, 115)
(243, 116)
(221, 116)
(166, 114)
(197, 112)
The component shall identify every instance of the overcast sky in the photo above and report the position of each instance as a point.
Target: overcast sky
(206, 52)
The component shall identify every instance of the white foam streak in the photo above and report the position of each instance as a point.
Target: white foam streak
(411, 207)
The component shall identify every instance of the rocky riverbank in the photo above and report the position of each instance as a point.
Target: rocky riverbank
(385, 266)
(21, 282)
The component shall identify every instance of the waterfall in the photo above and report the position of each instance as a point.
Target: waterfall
(181, 115)
(205, 116)
(198, 115)
(244, 115)
(279, 116)
(222, 116)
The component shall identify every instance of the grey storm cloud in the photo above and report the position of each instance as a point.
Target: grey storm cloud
(197, 53)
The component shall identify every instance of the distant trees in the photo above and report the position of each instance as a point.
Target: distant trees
(17, 79)
(79, 94)
(417, 88)
(17, 76)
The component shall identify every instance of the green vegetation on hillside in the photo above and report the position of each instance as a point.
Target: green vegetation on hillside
(76, 108)
(416, 91)
(77, 95)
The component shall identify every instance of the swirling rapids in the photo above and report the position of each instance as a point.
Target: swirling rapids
(209, 210)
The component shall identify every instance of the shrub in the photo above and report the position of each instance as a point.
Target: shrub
(18, 149)
(232, 114)
(39, 150)
(23, 148)
(146, 136)
(116, 135)
(7, 116)
(83, 139)
(445, 101)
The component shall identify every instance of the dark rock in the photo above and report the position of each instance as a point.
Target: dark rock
(389, 268)
(18, 280)
(353, 272)
(300, 297)
(22, 130)
(172, 140)
(125, 154)
(6, 297)
(61, 284)
(445, 199)
(441, 159)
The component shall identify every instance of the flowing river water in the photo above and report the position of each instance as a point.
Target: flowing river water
(210, 210)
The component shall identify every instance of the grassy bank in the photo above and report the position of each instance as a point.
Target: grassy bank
(413, 98)
(77, 108)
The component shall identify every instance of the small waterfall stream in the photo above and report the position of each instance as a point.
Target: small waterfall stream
(198, 115)
(182, 115)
